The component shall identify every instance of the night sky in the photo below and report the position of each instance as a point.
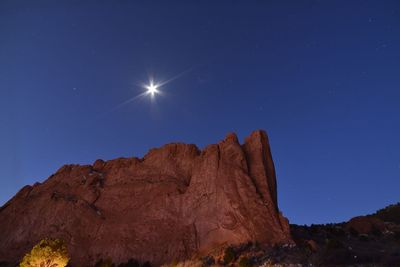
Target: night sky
(321, 77)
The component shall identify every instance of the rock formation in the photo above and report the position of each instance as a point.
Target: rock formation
(365, 225)
(175, 202)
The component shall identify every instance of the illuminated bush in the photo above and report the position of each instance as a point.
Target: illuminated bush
(47, 253)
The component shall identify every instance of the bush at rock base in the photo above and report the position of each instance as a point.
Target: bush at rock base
(47, 253)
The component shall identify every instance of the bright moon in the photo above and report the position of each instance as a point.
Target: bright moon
(152, 89)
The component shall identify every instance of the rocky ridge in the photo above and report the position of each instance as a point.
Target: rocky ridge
(175, 202)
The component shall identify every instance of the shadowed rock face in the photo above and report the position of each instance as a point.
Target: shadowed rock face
(175, 202)
(365, 225)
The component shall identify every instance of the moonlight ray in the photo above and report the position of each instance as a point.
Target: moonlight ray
(152, 88)
(128, 101)
(176, 77)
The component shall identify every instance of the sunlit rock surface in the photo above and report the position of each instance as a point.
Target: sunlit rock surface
(175, 202)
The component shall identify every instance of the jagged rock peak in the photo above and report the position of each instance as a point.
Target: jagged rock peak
(174, 202)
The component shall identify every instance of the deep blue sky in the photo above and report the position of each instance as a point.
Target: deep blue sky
(321, 77)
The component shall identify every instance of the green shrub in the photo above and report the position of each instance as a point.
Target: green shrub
(47, 253)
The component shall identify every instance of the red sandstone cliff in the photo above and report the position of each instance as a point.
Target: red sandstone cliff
(171, 204)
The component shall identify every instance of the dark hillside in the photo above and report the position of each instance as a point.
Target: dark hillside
(389, 214)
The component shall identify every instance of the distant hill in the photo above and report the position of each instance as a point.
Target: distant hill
(371, 240)
(389, 214)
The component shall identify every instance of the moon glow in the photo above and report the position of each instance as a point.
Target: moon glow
(152, 89)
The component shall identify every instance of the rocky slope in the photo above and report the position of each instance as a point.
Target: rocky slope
(175, 202)
(371, 240)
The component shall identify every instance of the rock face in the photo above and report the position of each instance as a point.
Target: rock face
(365, 224)
(174, 203)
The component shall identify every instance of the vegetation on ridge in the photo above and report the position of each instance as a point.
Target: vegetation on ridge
(390, 213)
